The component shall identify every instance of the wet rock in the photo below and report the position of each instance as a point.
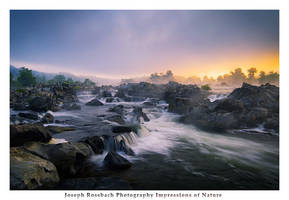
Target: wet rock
(19, 134)
(116, 118)
(106, 94)
(119, 109)
(67, 157)
(29, 116)
(109, 100)
(139, 113)
(96, 143)
(20, 106)
(40, 104)
(47, 118)
(94, 102)
(28, 171)
(114, 161)
(124, 129)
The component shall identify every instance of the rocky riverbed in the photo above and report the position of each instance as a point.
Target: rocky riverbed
(145, 136)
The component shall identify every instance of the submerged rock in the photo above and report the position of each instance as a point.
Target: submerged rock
(116, 118)
(114, 161)
(28, 171)
(94, 102)
(20, 134)
(59, 129)
(124, 129)
(119, 109)
(73, 106)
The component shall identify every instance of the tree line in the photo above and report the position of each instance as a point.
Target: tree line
(25, 78)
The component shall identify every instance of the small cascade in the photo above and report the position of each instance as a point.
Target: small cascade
(124, 142)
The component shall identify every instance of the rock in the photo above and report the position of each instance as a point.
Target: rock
(139, 113)
(47, 118)
(67, 157)
(106, 94)
(28, 171)
(109, 100)
(94, 102)
(124, 129)
(120, 94)
(114, 161)
(92, 183)
(40, 104)
(20, 106)
(96, 143)
(116, 118)
(19, 134)
(59, 129)
(117, 109)
(246, 107)
(29, 116)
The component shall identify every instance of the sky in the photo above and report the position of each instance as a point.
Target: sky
(133, 43)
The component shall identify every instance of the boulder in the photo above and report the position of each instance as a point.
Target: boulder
(19, 134)
(29, 116)
(139, 113)
(124, 129)
(28, 171)
(94, 102)
(47, 118)
(41, 104)
(106, 93)
(119, 109)
(116, 118)
(67, 157)
(96, 143)
(114, 161)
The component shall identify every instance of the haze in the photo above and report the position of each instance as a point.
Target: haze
(123, 44)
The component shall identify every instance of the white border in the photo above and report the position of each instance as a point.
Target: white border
(5, 6)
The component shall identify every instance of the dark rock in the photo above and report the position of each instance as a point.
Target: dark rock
(106, 94)
(116, 118)
(139, 113)
(67, 157)
(124, 129)
(40, 104)
(94, 102)
(19, 134)
(28, 171)
(96, 143)
(47, 118)
(114, 161)
(109, 100)
(29, 116)
(20, 106)
(117, 109)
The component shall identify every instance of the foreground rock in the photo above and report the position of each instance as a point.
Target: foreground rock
(114, 161)
(20, 134)
(47, 118)
(67, 157)
(28, 171)
(94, 102)
(246, 107)
(96, 143)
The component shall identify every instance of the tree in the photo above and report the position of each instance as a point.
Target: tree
(26, 78)
(237, 76)
(251, 74)
(262, 77)
(59, 78)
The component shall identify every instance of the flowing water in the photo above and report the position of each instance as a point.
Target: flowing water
(171, 155)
